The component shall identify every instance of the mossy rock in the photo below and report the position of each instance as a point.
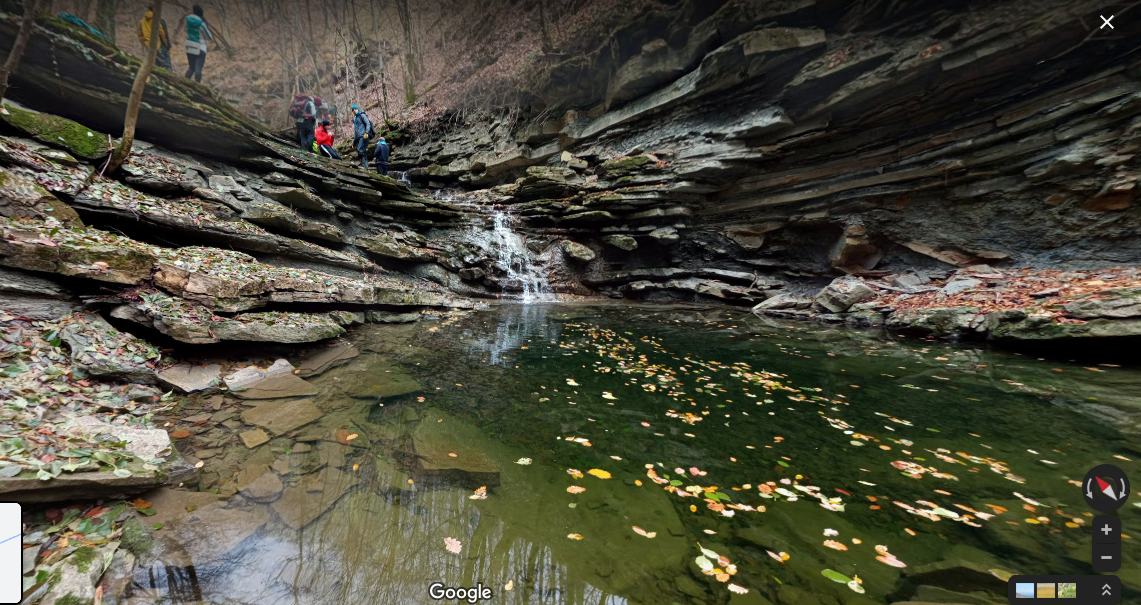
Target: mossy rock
(74, 137)
(620, 166)
(136, 539)
(82, 558)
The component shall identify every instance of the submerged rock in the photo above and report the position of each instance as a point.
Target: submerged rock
(276, 387)
(282, 417)
(842, 293)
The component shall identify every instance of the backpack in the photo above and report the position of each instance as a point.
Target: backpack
(297, 110)
(317, 102)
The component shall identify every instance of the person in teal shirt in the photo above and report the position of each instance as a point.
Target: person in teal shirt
(197, 33)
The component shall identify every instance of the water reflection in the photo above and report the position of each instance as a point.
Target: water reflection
(956, 460)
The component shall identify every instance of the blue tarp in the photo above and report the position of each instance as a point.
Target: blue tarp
(76, 21)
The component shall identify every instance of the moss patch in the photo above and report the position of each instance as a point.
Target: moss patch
(76, 138)
(136, 539)
(70, 599)
(619, 166)
(82, 558)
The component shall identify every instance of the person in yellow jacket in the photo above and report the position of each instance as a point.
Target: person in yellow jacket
(144, 31)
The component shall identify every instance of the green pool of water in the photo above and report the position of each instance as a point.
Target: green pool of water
(710, 456)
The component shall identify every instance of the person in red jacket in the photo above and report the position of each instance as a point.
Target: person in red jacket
(325, 141)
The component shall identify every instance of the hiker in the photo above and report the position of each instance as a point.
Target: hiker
(162, 59)
(324, 141)
(362, 132)
(304, 113)
(381, 153)
(197, 33)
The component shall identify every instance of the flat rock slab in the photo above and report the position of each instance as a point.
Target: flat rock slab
(328, 358)
(282, 417)
(191, 378)
(266, 487)
(468, 467)
(251, 374)
(170, 504)
(254, 438)
(299, 505)
(211, 531)
(277, 387)
(144, 443)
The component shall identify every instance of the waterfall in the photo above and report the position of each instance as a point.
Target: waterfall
(509, 250)
(515, 259)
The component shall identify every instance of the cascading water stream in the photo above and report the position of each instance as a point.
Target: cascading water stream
(515, 259)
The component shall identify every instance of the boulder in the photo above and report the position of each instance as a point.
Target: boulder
(73, 579)
(854, 250)
(665, 235)
(622, 242)
(782, 301)
(957, 285)
(190, 378)
(946, 322)
(1121, 303)
(577, 251)
(273, 216)
(842, 293)
(323, 231)
(297, 197)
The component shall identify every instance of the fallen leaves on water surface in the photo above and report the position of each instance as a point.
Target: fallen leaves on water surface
(574, 472)
(597, 472)
(510, 585)
(835, 545)
(608, 395)
(780, 557)
(453, 545)
(523, 461)
(480, 494)
(571, 382)
(574, 489)
(835, 576)
(574, 536)
(738, 589)
(642, 532)
(831, 532)
(343, 436)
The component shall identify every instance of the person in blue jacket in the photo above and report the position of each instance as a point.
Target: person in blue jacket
(197, 34)
(362, 130)
(381, 153)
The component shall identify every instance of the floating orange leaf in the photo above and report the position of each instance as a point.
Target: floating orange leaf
(642, 532)
(574, 536)
(574, 489)
(835, 545)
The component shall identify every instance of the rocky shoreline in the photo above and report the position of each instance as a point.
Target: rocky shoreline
(979, 303)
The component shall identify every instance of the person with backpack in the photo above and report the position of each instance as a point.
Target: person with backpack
(362, 132)
(324, 142)
(381, 153)
(197, 33)
(162, 59)
(304, 113)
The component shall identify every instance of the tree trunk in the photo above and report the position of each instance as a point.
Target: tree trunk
(411, 61)
(136, 99)
(105, 12)
(544, 27)
(17, 52)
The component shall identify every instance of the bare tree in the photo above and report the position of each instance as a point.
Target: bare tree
(105, 11)
(136, 99)
(411, 56)
(22, 37)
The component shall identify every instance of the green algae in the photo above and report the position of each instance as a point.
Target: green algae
(74, 137)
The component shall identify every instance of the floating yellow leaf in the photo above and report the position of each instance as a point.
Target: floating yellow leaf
(574, 472)
(574, 536)
(509, 585)
(601, 474)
